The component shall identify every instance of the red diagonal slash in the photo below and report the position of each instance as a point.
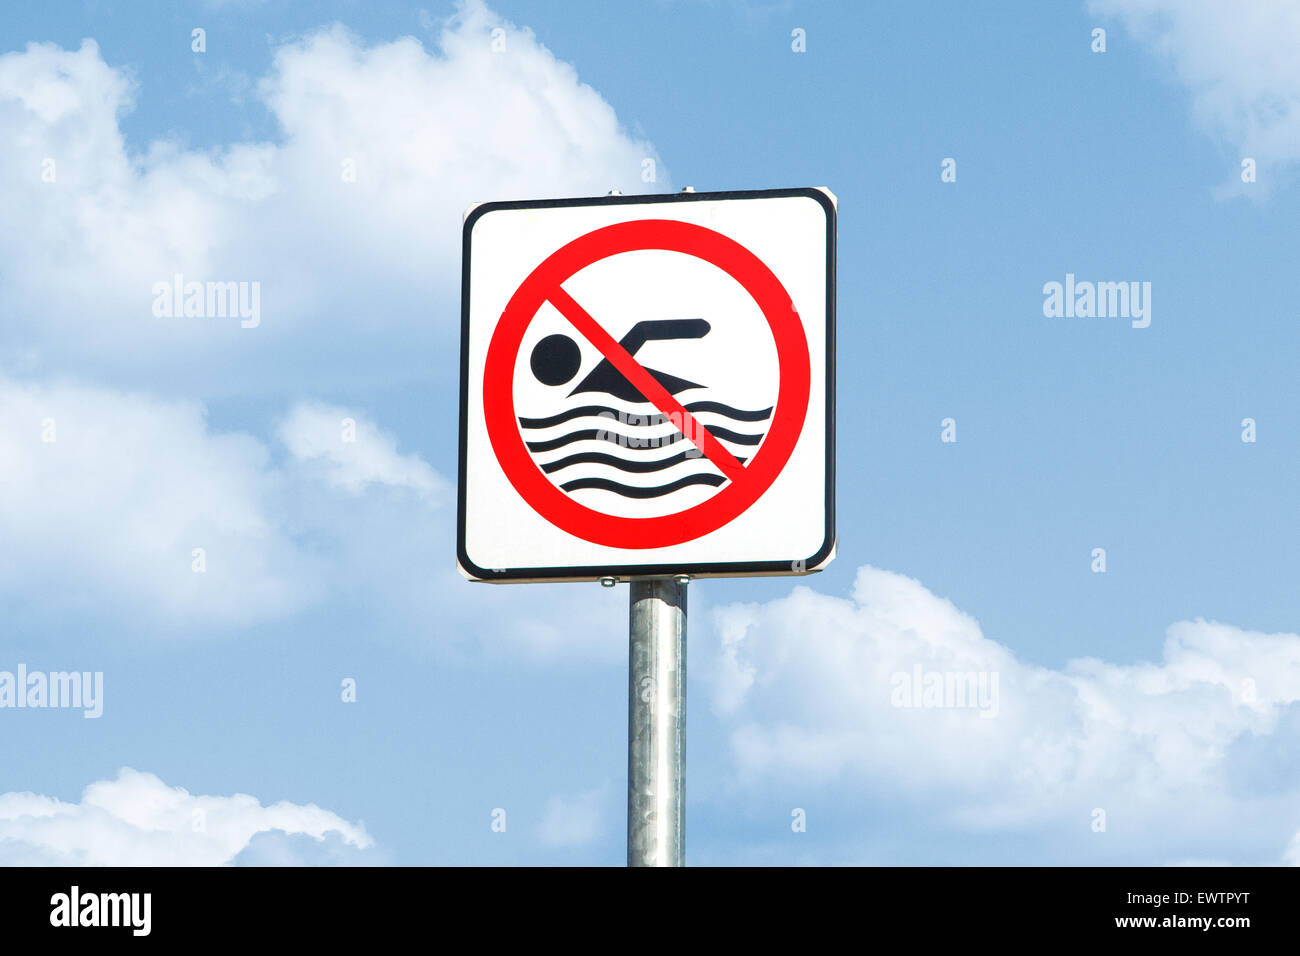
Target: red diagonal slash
(645, 383)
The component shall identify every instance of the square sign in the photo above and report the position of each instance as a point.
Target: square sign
(648, 386)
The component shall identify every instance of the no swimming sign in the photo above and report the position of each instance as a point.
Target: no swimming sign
(647, 386)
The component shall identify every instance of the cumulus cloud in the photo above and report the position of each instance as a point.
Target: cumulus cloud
(350, 222)
(127, 502)
(352, 453)
(1239, 62)
(105, 497)
(898, 690)
(137, 820)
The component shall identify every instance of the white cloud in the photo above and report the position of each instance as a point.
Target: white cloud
(353, 452)
(1239, 62)
(365, 272)
(809, 686)
(137, 820)
(104, 497)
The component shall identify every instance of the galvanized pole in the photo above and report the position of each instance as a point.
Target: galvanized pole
(656, 722)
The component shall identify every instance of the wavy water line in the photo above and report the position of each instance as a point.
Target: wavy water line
(603, 434)
(634, 491)
(585, 411)
(636, 444)
(738, 414)
(635, 467)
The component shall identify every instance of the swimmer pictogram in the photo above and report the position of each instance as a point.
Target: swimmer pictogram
(556, 360)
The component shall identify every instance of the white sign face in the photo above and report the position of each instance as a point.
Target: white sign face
(647, 386)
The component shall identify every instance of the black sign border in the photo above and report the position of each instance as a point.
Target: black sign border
(623, 572)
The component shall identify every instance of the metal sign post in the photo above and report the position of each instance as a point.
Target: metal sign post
(656, 722)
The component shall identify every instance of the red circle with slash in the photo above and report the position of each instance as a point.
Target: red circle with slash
(747, 482)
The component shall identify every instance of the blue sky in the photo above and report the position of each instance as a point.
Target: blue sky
(1162, 691)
